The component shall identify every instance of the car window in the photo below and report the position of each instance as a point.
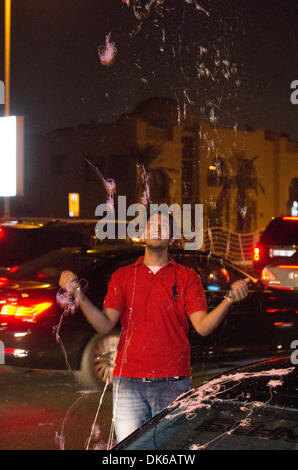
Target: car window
(281, 232)
(49, 267)
(17, 244)
(214, 273)
(219, 428)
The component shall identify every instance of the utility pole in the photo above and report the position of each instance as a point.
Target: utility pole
(7, 16)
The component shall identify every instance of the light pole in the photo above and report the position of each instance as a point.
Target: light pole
(7, 55)
(7, 16)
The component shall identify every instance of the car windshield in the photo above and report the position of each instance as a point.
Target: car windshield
(281, 232)
(17, 243)
(49, 266)
(249, 410)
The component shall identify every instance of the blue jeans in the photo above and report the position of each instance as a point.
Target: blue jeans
(135, 401)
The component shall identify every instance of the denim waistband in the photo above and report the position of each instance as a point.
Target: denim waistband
(154, 379)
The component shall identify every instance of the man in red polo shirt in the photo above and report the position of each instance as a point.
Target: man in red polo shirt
(154, 298)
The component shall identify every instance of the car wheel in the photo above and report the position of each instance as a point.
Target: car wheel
(98, 360)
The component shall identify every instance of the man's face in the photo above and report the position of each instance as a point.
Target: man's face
(157, 235)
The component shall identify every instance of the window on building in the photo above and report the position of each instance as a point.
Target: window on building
(214, 217)
(215, 172)
(187, 193)
(187, 149)
(59, 163)
(187, 171)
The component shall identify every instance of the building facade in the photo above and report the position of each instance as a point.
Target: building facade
(242, 177)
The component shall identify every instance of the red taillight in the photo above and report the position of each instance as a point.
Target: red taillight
(226, 274)
(257, 254)
(289, 266)
(282, 288)
(267, 275)
(289, 218)
(25, 311)
(13, 269)
(16, 352)
(3, 281)
(41, 275)
(1, 232)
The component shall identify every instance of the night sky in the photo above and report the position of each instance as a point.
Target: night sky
(228, 60)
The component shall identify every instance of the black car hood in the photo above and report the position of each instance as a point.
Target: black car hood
(257, 401)
(11, 285)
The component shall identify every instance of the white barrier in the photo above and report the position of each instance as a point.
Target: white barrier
(236, 247)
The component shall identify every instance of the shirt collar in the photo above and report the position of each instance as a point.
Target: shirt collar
(141, 258)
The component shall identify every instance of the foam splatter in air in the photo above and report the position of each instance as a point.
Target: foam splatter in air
(145, 177)
(205, 66)
(109, 185)
(198, 6)
(211, 66)
(60, 436)
(69, 304)
(95, 431)
(107, 53)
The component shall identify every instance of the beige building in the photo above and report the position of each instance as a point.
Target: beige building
(242, 177)
(263, 165)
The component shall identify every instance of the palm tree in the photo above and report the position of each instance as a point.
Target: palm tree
(159, 177)
(244, 179)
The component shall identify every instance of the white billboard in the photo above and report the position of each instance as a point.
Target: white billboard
(11, 156)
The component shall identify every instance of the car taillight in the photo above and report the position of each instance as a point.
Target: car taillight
(287, 266)
(3, 281)
(282, 288)
(267, 275)
(1, 232)
(25, 311)
(13, 269)
(226, 274)
(290, 218)
(256, 254)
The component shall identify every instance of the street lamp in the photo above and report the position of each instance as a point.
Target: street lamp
(7, 56)
(7, 16)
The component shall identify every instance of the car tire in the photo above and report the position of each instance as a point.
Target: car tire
(98, 360)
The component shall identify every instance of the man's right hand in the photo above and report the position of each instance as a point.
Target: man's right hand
(68, 281)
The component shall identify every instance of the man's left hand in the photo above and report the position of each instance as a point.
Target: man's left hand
(239, 290)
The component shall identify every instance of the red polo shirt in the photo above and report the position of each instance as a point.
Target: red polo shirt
(154, 310)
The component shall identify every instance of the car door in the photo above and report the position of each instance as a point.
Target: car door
(281, 308)
(246, 333)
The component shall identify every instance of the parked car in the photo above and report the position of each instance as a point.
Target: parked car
(282, 275)
(23, 240)
(261, 325)
(278, 243)
(250, 408)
